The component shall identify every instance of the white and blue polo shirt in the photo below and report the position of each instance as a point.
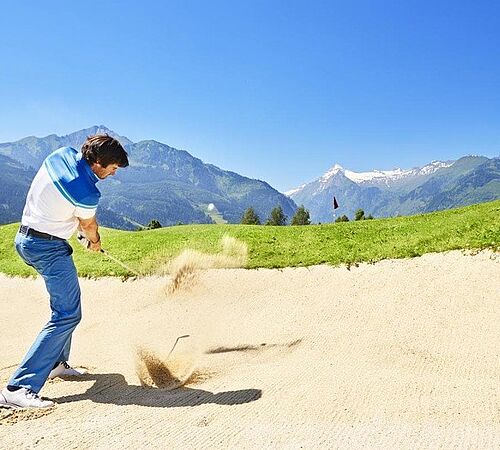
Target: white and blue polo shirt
(63, 190)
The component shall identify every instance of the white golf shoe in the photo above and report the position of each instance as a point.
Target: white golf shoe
(23, 398)
(63, 369)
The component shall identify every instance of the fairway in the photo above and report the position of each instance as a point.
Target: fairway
(471, 227)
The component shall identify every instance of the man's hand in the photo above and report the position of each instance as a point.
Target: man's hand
(87, 244)
(82, 240)
(89, 236)
(95, 247)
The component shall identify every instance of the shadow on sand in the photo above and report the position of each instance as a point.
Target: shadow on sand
(113, 388)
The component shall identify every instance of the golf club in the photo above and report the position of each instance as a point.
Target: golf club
(85, 243)
(116, 260)
(177, 340)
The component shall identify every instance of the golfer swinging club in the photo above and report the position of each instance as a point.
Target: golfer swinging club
(63, 197)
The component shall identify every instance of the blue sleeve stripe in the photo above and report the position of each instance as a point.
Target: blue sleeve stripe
(63, 191)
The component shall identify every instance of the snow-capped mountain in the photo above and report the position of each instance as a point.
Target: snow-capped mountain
(377, 177)
(437, 185)
(390, 176)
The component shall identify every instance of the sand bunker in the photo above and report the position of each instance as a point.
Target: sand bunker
(398, 354)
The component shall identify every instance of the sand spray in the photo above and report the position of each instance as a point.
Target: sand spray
(183, 270)
(155, 363)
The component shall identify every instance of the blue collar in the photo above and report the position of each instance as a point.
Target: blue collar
(93, 177)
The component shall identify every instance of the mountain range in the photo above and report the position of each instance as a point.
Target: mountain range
(161, 183)
(438, 185)
(172, 186)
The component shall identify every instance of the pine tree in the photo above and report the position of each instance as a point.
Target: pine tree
(301, 216)
(343, 218)
(250, 217)
(360, 215)
(153, 224)
(277, 217)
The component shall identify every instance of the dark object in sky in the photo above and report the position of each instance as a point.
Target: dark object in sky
(335, 204)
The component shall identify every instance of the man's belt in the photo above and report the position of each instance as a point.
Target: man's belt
(27, 231)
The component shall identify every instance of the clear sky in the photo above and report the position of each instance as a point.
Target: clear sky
(275, 90)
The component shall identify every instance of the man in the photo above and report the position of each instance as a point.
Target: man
(63, 197)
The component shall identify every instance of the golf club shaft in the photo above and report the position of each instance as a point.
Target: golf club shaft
(177, 340)
(117, 261)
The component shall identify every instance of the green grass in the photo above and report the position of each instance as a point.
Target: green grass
(472, 227)
(214, 214)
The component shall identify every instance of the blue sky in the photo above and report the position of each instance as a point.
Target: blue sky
(275, 90)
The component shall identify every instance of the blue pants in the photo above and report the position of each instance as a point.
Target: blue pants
(53, 261)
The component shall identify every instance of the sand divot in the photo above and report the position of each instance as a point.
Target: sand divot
(184, 268)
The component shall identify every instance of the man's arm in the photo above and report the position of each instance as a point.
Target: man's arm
(90, 229)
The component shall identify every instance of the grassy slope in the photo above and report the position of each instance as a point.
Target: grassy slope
(472, 227)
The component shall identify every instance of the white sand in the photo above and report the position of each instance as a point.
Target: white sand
(399, 354)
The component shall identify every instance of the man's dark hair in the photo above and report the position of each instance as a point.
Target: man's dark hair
(105, 150)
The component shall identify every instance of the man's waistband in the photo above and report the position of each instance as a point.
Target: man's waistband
(27, 231)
